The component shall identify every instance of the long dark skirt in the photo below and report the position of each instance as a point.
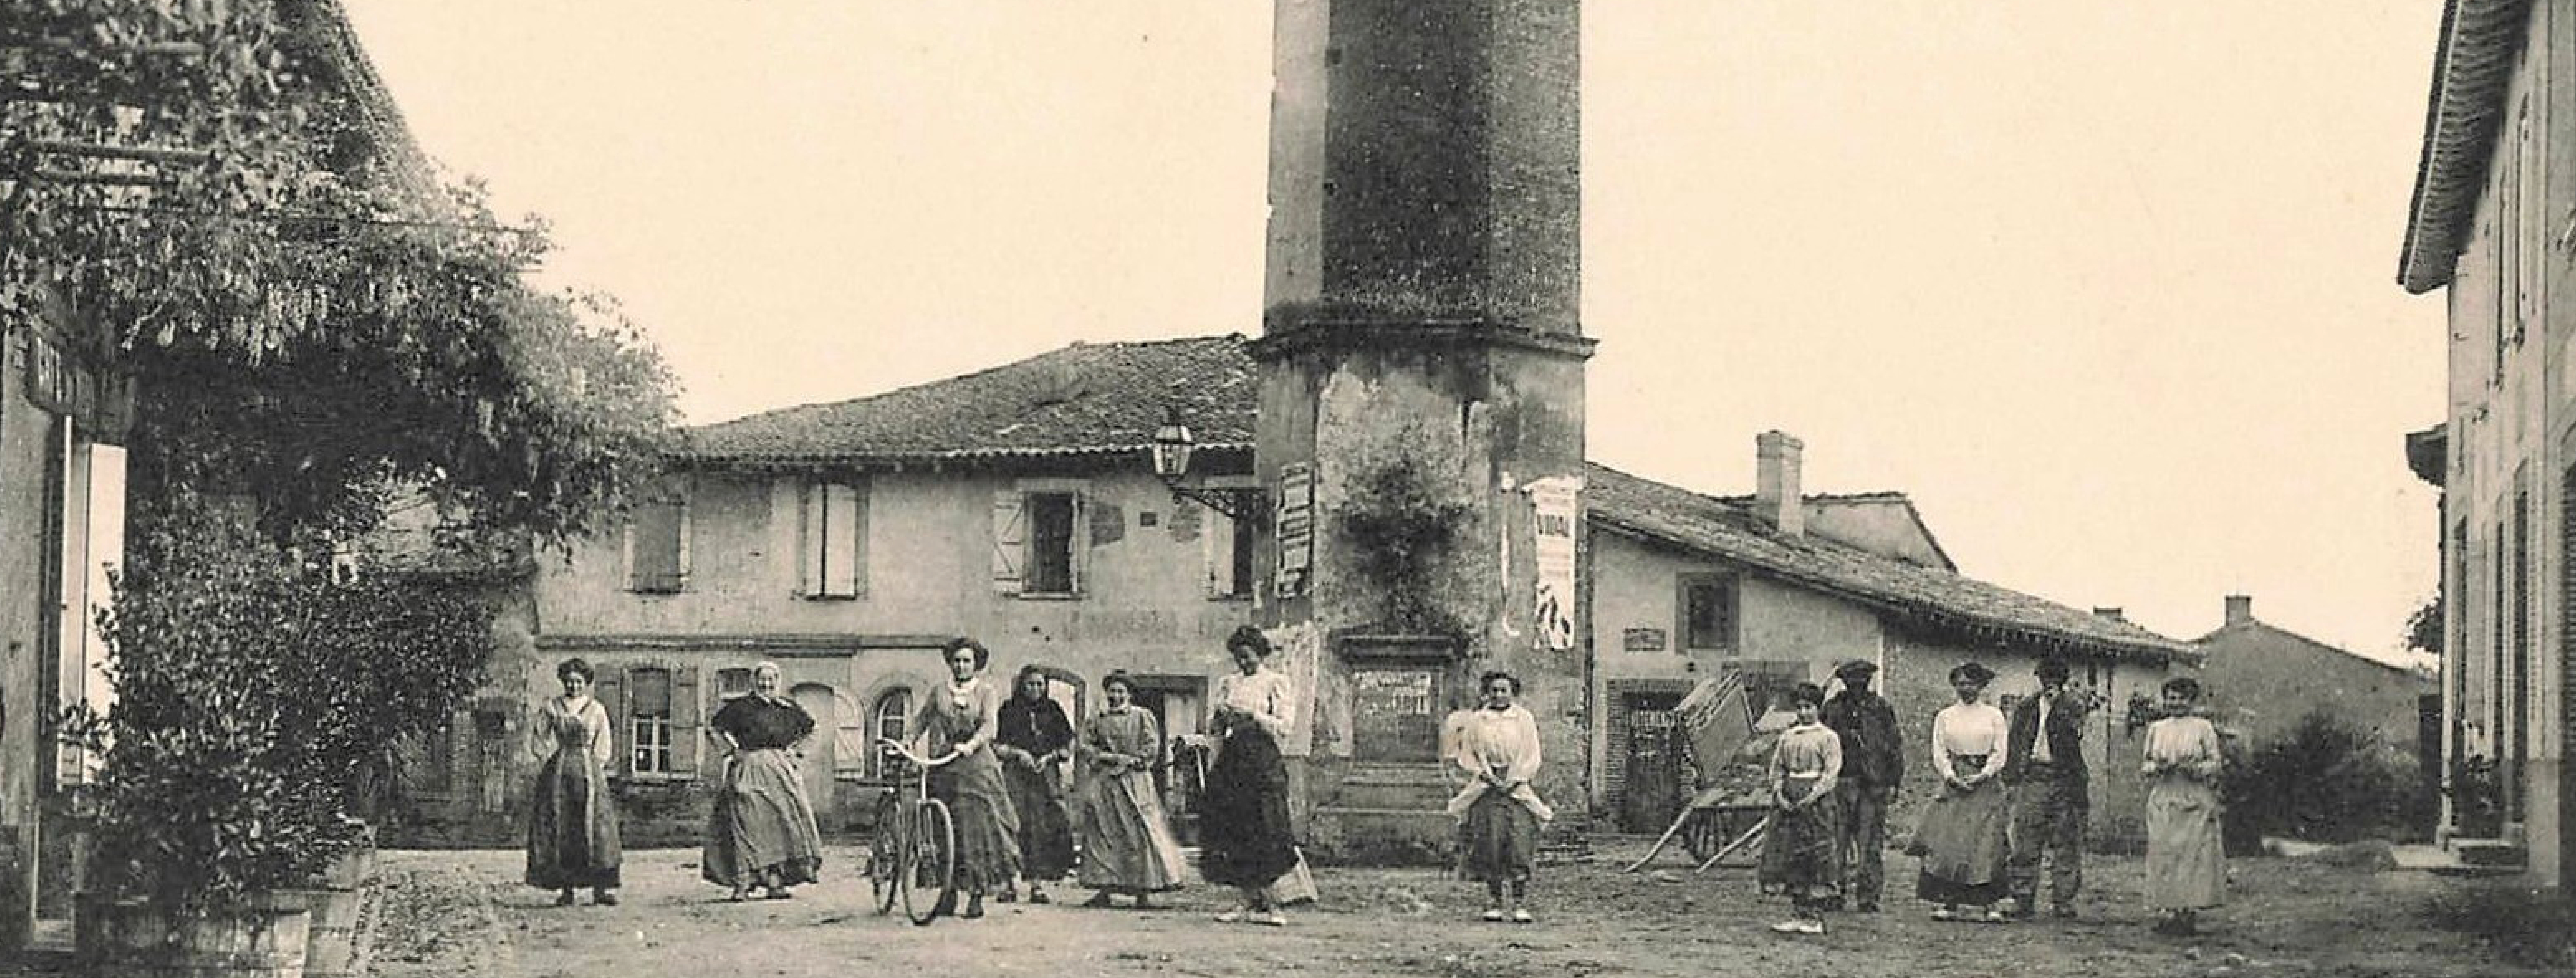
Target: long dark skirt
(762, 826)
(572, 826)
(1802, 855)
(1500, 840)
(988, 828)
(1962, 844)
(1046, 837)
(1244, 833)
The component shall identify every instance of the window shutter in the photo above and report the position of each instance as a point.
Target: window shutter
(840, 550)
(1010, 532)
(610, 690)
(850, 742)
(1079, 547)
(684, 720)
(807, 581)
(1217, 556)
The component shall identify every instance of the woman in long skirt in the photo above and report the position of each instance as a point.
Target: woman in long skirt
(1127, 846)
(962, 716)
(2186, 852)
(572, 819)
(1246, 841)
(1034, 740)
(1961, 838)
(762, 830)
(1498, 811)
(1802, 855)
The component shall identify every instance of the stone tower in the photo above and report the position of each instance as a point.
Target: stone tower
(1422, 386)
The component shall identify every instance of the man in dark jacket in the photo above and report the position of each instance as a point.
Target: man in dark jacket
(2044, 764)
(1873, 764)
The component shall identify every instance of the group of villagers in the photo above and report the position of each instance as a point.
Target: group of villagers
(2013, 794)
(1003, 748)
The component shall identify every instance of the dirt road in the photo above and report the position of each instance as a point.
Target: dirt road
(464, 914)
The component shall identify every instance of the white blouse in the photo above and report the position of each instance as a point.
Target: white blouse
(1968, 728)
(1263, 694)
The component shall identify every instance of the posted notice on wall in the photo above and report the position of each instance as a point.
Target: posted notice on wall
(1555, 513)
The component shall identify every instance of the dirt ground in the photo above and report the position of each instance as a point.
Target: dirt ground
(463, 913)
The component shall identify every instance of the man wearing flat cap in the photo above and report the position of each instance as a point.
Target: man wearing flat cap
(2044, 764)
(1873, 764)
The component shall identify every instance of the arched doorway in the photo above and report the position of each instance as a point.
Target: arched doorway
(823, 705)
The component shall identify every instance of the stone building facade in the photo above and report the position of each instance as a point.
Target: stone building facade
(2487, 226)
(1017, 505)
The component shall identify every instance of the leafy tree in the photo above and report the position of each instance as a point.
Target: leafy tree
(2424, 627)
(219, 201)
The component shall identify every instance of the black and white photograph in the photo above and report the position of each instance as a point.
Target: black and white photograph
(1243, 488)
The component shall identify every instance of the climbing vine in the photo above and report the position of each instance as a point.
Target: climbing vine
(1398, 524)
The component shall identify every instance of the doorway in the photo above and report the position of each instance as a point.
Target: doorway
(1652, 794)
(816, 770)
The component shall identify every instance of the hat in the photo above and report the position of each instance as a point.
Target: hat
(1856, 667)
(2052, 668)
(1975, 672)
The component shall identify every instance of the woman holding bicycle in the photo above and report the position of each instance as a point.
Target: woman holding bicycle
(1247, 841)
(962, 717)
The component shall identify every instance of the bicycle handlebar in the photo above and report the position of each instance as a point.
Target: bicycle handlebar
(906, 753)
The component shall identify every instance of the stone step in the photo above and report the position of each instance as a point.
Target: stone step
(2491, 852)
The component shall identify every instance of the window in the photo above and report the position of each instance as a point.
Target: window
(891, 718)
(732, 683)
(831, 551)
(1038, 539)
(648, 711)
(1050, 543)
(1230, 570)
(1707, 612)
(657, 545)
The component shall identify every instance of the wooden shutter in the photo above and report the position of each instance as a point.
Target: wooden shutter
(684, 720)
(610, 690)
(1077, 542)
(1217, 556)
(1010, 539)
(851, 744)
(808, 583)
(840, 550)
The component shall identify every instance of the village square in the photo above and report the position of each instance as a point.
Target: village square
(1372, 487)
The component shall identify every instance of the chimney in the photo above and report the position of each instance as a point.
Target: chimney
(2110, 614)
(2240, 609)
(1776, 496)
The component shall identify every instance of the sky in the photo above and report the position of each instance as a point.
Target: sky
(2107, 288)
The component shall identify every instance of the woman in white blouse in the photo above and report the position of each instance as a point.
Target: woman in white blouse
(1246, 842)
(1962, 836)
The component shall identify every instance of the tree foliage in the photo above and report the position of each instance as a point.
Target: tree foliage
(249, 692)
(311, 319)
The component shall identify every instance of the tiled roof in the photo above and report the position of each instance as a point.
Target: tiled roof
(2472, 67)
(1084, 399)
(1936, 598)
(1099, 398)
(2259, 627)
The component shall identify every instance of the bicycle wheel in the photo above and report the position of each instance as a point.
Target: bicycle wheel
(930, 863)
(885, 855)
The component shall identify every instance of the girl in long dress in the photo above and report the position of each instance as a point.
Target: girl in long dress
(1498, 811)
(1034, 739)
(572, 818)
(962, 716)
(1246, 839)
(2186, 853)
(762, 829)
(1961, 838)
(1127, 846)
(1802, 855)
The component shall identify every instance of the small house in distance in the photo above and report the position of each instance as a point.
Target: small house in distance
(2267, 678)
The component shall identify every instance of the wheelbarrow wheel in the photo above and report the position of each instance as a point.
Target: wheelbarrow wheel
(1702, 835)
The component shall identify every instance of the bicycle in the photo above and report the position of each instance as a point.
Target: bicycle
(915, 846)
